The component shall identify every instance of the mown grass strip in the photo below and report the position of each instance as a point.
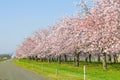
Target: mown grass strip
(67, 71)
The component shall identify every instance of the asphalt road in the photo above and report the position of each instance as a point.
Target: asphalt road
(9, 71)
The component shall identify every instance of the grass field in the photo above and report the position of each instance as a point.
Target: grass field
(1, 59)
(67, 71)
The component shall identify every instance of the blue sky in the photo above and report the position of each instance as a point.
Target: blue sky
(20, 18)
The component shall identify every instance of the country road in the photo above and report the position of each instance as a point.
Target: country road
(9, 71)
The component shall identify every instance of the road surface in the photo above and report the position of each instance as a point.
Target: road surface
(9, 71)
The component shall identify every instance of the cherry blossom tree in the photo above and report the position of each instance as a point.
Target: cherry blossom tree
(97, 32)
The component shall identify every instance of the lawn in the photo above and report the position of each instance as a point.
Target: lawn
(67, 71)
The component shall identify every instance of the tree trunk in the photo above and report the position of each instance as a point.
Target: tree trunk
(98, 58)
(77, 59)
(59, 59)
(109, 58)
(89, 58)
(86, 59)
(115, 58)
(36, 58)
(65, 56)
(104, 61)
(53, 59)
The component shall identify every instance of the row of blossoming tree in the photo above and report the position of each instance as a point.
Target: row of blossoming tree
(95, 32)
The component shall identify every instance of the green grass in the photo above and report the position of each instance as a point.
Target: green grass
(67, 71)
(1, 59)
